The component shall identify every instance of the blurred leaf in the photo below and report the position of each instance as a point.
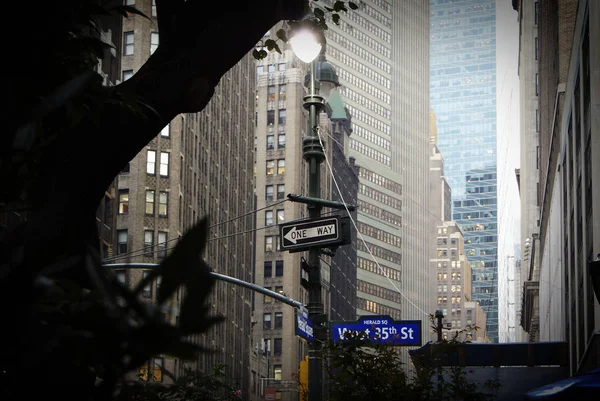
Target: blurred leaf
(352, 5)
(336, 18)
(126, 11)
(282, 34)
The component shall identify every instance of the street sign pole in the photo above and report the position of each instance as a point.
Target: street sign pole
(313, 155)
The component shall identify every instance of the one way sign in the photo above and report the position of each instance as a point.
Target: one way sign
(300, 235)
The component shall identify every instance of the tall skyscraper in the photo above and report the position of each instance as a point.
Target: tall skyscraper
(199, 165)
(381, 53)
(463, 95)
(281, 125)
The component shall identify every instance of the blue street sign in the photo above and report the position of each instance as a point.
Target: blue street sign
(304, 326)
(381, 329)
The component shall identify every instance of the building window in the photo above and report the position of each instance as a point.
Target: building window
(277, 345)
(268, 272)
(162, 245)
(147, 291)
(268, 217)
(537, 120)
(148, 242)
(279, 290)
(260, 69)
(536, 10)
(282, 92)
(129, 2)
(166, 131)
(266, 321)
(128, 43)
(270, 117)
(277, 372)
(278, 320)
(270, 167)
(150, 202)
(269, 244)
(268, 299)
(154, 9)
(269, 193)
(537, 48)
(123, 201)
(127, 74)
(270, 142)
(280, 166)
(271, 68)
(281, 67)
(281, 141)
(281, 115)
(163, 204)
(278, 268)
(121, 242)
(151, 162)
(164, 164)
(271, 93)
(153, 42)
(280, 216)
(537, 84)
(280, 191)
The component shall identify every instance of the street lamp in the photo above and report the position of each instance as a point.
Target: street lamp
(306, 47)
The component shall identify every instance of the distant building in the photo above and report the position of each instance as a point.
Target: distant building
(199, 165)
(563, 39)
(463, 96)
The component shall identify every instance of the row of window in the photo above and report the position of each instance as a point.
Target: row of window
(161, 248)
(129, 42)
(280, 141)
(444, 299)
(270, 300)
(271, 93)
(362, 37)
(380, 180)
(151, 163)
(453, 288)
(370, 120)
(379, 196)
(380, 213)
(281, 117)
(378, 309)
(368, 103)
(369, 26)
(370, 152)
(271, 167)
(373, 267)
(269, 217)
(360, 67)
(268, 324)
(380, 235)
(453, 275)
(269, 195)
(268, 268)
(359, 51)
(163, 202)
(270, 68)
(380, 252)
(370, 136)
(376, 290)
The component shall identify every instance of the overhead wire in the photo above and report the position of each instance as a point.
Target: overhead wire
(383, 273)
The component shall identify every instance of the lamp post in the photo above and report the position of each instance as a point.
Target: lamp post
(306, 47)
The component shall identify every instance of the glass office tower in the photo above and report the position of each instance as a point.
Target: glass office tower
(463, 96)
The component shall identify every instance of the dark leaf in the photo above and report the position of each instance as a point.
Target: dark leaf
(319, 13)
(282, 34)
(126, 11)
(336, 18)
(184, 263)
(352, 5)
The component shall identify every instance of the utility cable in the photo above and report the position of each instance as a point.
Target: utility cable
(360, 234)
